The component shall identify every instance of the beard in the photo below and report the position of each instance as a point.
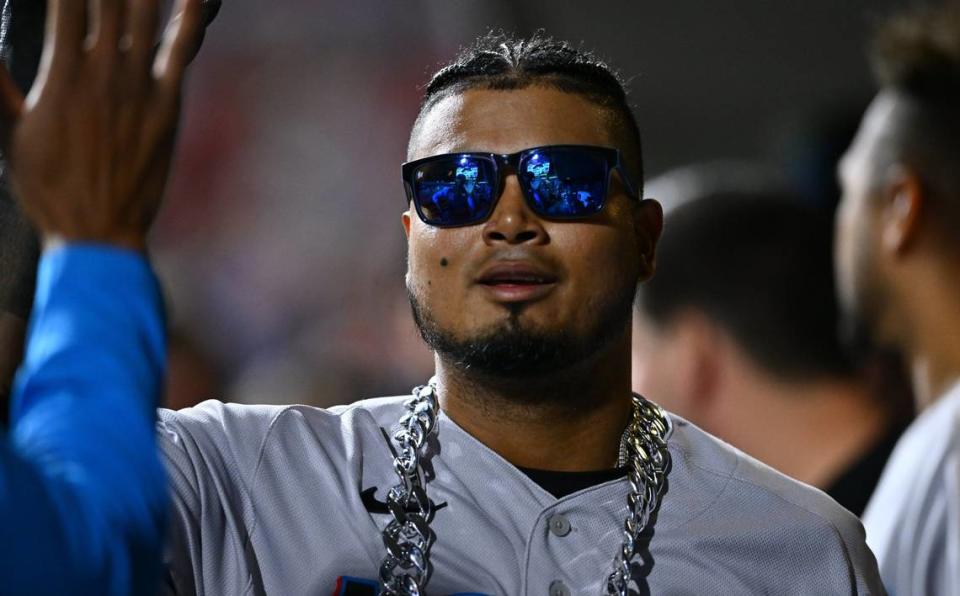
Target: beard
(514, 350)
(860, 311)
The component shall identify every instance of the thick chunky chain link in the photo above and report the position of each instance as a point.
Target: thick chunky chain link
(408, 537)
(649, 461)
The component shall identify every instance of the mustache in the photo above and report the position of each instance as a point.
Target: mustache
(534, 259)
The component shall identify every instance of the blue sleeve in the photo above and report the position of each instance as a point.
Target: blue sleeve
(83, 495)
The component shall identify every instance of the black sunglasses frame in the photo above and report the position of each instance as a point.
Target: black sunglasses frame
(613, 160)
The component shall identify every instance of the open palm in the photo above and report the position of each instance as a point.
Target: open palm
(89, 148)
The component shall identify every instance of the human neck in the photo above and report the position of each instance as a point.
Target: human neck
(566, 421)
(931, 336)
(834, 423)
(933, 374)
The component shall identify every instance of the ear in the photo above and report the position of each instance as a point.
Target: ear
(648, 224)
(405, 221)
(904, 204)
(699, 381)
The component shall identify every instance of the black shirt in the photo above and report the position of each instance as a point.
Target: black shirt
(853, 487)
(561, 484)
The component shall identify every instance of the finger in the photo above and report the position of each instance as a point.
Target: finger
(108, 22)
(144, 19)
(180, 43)
(66, 30)
(11, 103)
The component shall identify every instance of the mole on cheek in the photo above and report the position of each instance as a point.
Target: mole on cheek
(443, 262)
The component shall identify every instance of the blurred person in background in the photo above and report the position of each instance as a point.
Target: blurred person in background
(807, 153)
(737, 333)
(898, 264)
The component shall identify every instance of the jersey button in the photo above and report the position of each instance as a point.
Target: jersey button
(559, 525)
(558, 588)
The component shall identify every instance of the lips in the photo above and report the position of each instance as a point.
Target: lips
(516, 281)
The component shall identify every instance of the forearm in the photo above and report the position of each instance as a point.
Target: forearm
(82, 492)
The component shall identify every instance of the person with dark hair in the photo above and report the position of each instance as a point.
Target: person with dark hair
(526, 465)
(898, 264)
(737, 333)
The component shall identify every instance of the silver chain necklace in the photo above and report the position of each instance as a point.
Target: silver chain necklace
(408, 537)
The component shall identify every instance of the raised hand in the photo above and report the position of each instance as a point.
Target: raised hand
(89, 148)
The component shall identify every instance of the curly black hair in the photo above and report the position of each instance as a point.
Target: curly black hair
(918, 54)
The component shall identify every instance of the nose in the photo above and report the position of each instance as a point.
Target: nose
(512, 221)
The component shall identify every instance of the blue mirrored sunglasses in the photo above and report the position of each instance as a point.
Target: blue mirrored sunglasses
(557, 181)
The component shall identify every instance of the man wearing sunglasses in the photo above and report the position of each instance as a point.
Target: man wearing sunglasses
(525, 465)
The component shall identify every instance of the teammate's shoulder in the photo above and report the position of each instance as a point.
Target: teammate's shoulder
(925, 459)
(753, 487)
(932, 438)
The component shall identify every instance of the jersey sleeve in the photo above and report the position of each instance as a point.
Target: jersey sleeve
(916, 532)
(82, 492)
(211, 453)
(866, 575)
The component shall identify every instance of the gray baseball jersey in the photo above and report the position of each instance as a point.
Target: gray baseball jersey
(913, 518)
(288, 500)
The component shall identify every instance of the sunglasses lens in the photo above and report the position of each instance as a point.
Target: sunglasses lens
(455, 190)
(564, 182)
